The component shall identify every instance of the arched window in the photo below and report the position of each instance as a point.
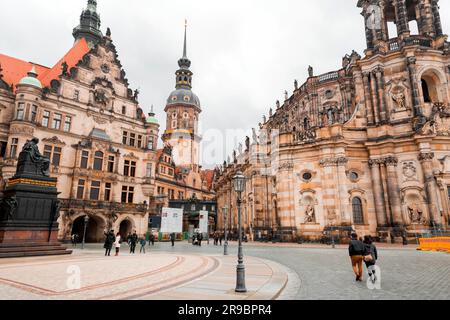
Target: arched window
(430, 87)
(358, 217)
(98, 161)
(426, 92)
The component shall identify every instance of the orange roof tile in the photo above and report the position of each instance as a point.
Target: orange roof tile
(15, 69)
(72, 57)
(208, 175)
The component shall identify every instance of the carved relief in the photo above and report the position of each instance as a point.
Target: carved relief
(409, 171)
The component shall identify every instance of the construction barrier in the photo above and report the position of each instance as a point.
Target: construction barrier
(435, 244)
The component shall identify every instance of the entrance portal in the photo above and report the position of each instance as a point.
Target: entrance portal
(125, 229)
(94, 229)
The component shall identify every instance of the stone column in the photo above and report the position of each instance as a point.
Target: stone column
(368, 98)
(436, 18)
(375, 98)
(343, 190)
(382, 101)
(394, 190)
(401, 17)
(426, 159)
(378, 193)
(387, 200)
(411, 62)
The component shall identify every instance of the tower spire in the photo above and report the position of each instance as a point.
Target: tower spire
(89, 27)
(185, 40)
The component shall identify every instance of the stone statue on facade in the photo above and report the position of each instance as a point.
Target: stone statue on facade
(270, 112)
(310, 71)
(296, 84)
(310, 214)
(255, 136)
(278, 104)
(416, 215)
(399, 98)
(64, 69)
(286, 95)
(31, 157)
(240, 147)
(136, 94)
(247, 143)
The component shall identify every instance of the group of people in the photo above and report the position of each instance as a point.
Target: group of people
(363, 250)
(197, 239)
(115, 241)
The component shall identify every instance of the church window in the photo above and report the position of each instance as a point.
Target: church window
(98, 161)
(354, 176)
(126, 168)
(53, 154)
(111, 161)
(84, 159)
(357, 211)
(125, 137)
(150, 145)
(124, 110)
(56, 123)
(139, 141)
(107, 191)
(33, 114)
(67, 123)
(307, 176)
(45, 118)
(174, 124)
(127, 194)
(20, 111)
(95, 190)
(80, 189)
(13, 150)
(132, 139)
(148, 171)
(174, 115)
(186, 115)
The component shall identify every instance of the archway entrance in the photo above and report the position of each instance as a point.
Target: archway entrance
(94, 229)
(125, 229)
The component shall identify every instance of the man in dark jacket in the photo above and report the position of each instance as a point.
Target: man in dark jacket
(356, 252)
(109, 241)
(133, 242)
(172, 239)
(200, 238)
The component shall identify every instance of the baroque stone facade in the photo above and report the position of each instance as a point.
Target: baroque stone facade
(365, 147)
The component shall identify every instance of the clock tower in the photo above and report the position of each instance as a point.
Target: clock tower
(183, 110)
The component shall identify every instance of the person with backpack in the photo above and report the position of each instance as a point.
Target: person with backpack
(142, 242)
(133, 242)
(370, 257)
(356, 252)
(172, 239)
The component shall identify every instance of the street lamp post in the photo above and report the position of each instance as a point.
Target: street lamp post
(239, 185)
(86, 221)
(225, 225)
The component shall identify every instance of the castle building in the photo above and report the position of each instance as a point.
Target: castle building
(102, 148)
(364, 148)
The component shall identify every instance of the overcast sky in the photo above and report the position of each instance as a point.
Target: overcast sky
(244, 53)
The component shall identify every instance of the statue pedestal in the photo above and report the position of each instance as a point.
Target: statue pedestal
(28, 218)
(311, 231)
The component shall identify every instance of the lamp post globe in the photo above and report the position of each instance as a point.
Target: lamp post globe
(239, 187)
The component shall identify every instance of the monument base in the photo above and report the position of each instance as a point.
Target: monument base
(30, 243)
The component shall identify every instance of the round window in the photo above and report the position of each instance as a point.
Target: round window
(174, 98)
(186, 98)
(354, 176)
(307, 176)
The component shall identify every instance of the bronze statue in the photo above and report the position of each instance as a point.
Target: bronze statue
(42, 163)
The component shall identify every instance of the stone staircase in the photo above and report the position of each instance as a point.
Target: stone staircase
(32, 250)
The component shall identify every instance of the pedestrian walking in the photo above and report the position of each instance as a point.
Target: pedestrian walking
(356, 252)
(117, 243)
(109, 241)
(74, 240)
(133, 242)
(221, 238)
(143, 242)
(172, 239)
(151, 239)
(200, 238)
(370, 257)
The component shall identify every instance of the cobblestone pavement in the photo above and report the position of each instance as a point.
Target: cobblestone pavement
(315, 272)
(325, 273)
(89, 275)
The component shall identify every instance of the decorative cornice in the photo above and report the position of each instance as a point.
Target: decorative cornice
(54, 140)
(330, 162)
(390, 161)
(426, 156)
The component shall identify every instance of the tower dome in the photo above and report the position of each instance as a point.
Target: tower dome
(31, 79)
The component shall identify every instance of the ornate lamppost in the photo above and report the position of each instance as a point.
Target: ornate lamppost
(86, 221)
(239, 186)
(225, 228)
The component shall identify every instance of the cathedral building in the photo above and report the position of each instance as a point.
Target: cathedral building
(102, 148)
(363, 148)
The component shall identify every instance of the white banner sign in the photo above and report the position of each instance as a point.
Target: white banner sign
(171, 220)
(203, 225)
